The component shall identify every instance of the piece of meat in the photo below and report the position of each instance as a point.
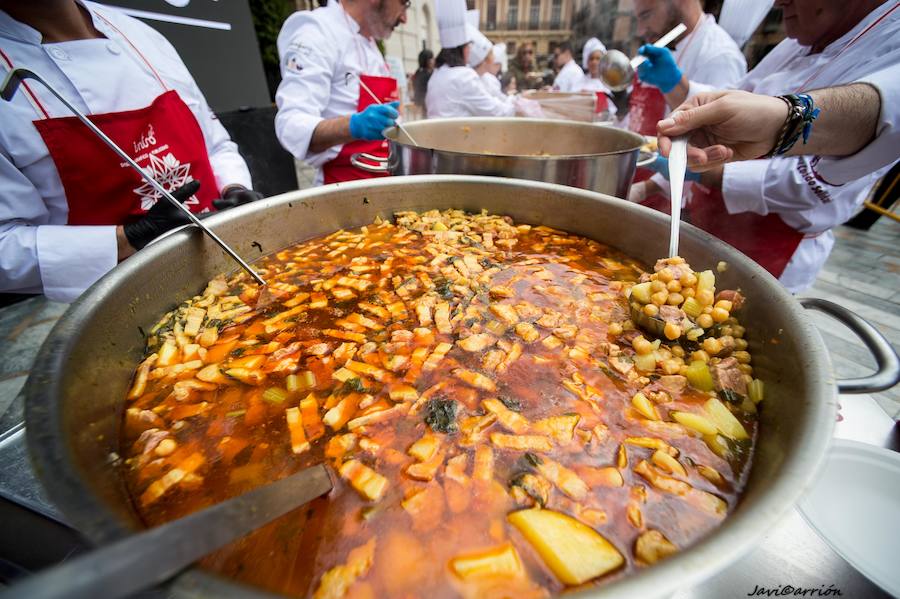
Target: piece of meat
(735, 297)
(674, 384)
(727, 375)
(672, 314)
(137, 421)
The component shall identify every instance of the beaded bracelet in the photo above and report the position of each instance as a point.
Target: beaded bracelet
(802, 112)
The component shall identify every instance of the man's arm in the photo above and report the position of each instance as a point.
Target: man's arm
(330, 132)
(734, 125)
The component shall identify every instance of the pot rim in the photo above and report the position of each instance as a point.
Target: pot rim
(738, 533)
(512, 121)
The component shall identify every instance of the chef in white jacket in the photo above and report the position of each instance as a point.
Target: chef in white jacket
(705, 53)
(455, 89)
(780, 211)
(481, 58)
(69, 208)
(570, 76)
(330, 63)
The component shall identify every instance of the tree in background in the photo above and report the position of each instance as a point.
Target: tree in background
(268, 16)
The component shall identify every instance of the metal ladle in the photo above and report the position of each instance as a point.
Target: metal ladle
(617, 70)
(8, 89)
(378, 100)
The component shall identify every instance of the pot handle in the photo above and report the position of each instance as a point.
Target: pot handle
(888, 371)
(379, 167)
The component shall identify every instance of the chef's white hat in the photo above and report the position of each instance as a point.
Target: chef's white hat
(591, 46)
(451, 19)
(472, 17)
(500, 54)
(480, 47)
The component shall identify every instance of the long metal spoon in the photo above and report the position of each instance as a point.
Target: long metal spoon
(617, 70)
(398, 123)
(8, 89)
(677, 169)
(153, 556)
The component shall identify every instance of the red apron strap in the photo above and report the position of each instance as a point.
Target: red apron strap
(136, 51)
(29, 93)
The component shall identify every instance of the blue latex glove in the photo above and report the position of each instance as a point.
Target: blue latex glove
(369, 123)
(661, 166)
(659, 69)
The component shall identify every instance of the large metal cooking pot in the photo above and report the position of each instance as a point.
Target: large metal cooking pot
(76, 390)
(601, 159)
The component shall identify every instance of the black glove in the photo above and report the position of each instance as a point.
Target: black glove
(162, 217)
(236, 196)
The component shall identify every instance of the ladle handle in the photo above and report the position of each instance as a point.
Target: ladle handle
(153, 556)
(660, 43)
(677, 168)
(8, 90)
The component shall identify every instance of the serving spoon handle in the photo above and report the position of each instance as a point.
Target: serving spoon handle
(150, 557)
(677, 168)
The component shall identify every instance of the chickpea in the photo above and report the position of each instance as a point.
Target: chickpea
(745, 368)
(675, 299)
(724, 304)
(705, 321)
(677, 350)
(742, 357)
(670, 367)
(740, 344)
(683, 370)
(672, 331)
(660, 298)
(712, 346)
(675, 260)
(642, 346)
(705, 297)
(688, 291)
(700, 356)
(673, 286)
(719, 315)
(739, 331)
(688, 279)
(726, 331)
(657, 286)
(651, 310)
(615, 328)
(663, 353)
(665, 275)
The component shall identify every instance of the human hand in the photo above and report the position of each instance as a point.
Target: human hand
(659, 69)
(724, 126)
(162, 217)
(370, 123)
(236, 195)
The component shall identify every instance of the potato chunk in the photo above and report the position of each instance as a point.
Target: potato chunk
(496, 561)
(573, 551)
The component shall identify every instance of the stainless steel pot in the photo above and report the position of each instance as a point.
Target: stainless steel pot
(76, 390)
(592, 157)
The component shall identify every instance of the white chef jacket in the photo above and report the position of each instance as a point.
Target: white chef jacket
(39, 252)
(458, 91)
(791, 187)
(591, 84)
(492, 85)
(882, 151)
(569, 78)
(322, 55)
(707, 55)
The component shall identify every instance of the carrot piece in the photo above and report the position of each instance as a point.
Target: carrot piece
(229, 447)
(299, 444)
(218, 352)
(309, 410)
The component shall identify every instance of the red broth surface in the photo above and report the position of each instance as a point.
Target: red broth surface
(453, 370)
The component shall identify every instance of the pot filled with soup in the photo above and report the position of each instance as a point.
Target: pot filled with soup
(514, 395)
(584, 155)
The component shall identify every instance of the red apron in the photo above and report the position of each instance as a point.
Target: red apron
(768, 240)
(164, 138)
(646, 107)
(339, 168)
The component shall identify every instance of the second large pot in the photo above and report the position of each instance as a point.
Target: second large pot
(591, 157)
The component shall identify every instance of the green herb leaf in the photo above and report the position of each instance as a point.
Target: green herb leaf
(440, 415)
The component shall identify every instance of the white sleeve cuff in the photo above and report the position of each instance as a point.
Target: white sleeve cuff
(72, 258)
(742, 186)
